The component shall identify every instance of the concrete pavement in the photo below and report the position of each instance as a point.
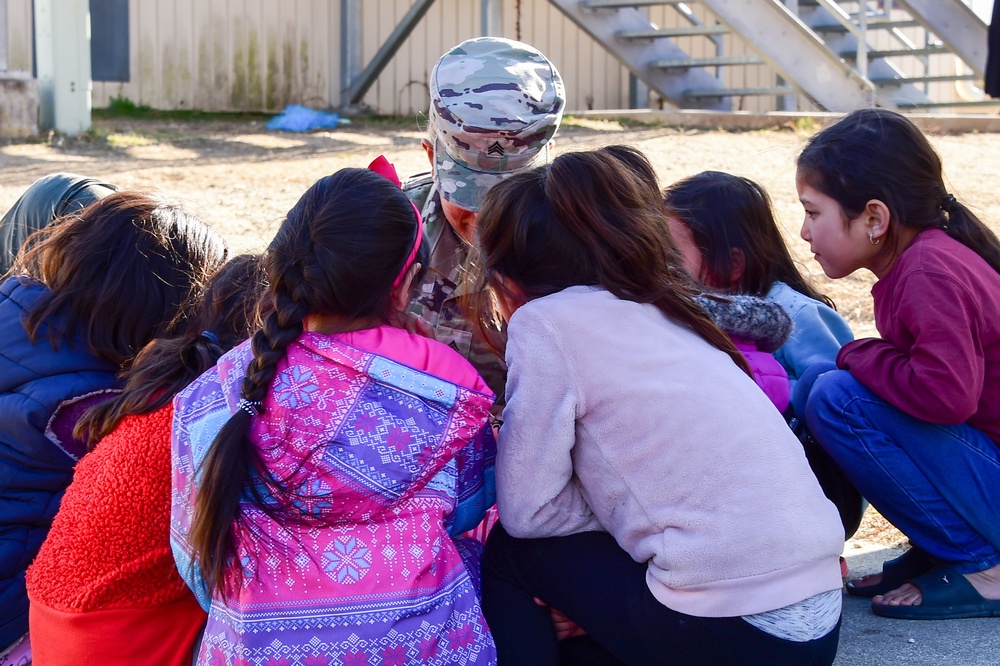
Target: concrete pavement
(869, 640)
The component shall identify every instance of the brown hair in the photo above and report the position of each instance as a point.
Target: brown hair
(118, 273)
(726, 212)
(227, 311)
(589, 218)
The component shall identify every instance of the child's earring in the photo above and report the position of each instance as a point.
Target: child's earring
(872, 239)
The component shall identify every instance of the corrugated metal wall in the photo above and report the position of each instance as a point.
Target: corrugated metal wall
(258, 55)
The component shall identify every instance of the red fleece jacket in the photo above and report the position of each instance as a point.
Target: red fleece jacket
(106, 568)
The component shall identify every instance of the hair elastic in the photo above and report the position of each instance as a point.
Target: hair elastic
(384, 168)
(948, 203)
(211, 337)
(251, 407)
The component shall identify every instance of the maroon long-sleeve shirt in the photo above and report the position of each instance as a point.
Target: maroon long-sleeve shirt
(938, 312)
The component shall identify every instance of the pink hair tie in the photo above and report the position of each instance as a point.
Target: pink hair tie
(384, 168)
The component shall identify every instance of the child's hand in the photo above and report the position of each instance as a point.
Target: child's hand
(495, 424)
(565, 627)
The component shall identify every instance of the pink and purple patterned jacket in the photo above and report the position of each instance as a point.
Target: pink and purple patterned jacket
(382, 442)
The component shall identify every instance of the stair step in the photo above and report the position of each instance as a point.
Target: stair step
(941, 105)
(944, 78)
(717, 61)
(674, 32)
(616, 4)
(699, 93)
(871, 25)
(895, 53)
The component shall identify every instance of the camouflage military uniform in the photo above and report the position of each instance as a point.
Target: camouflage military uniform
(495, 105)
(437, 300)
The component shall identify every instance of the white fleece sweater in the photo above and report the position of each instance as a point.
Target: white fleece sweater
(618, 418)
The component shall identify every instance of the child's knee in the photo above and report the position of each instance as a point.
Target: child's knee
(804, 384)
(830, 395)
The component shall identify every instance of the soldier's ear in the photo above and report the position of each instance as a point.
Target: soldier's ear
(429, 149)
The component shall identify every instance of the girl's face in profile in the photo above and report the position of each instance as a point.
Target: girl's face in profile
(840, 245)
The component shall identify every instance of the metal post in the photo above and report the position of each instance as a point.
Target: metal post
(3, 36)
(62, 48)
(638, 91)
(492, 18)
(360, 84)
(862, 60)
(788, 102)
(350, 47)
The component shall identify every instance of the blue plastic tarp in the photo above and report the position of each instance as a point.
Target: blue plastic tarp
(298, 118)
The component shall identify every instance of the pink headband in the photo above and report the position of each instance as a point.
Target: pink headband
(384, 168)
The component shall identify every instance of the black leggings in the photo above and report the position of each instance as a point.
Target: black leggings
(590, 579)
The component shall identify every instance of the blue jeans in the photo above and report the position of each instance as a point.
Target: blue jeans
(939, 484)
(837, 487)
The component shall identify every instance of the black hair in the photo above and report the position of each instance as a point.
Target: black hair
(589, 218)
(726, 212)
(877, 154)
(227, 311)
(120, 272)
(337, 253)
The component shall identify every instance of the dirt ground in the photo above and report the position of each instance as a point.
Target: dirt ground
(241, 178)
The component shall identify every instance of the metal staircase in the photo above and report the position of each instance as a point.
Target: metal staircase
(837, 55)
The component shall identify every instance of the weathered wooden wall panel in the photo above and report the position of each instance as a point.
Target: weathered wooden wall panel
(230, 55)
(3, 36)
(19, 36)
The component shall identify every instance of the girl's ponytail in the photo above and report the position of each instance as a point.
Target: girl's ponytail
(969, 230)
(232, 460)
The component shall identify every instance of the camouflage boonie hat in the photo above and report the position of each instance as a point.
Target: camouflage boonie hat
(495, 104)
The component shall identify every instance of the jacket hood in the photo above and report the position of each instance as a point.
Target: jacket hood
(747, 317)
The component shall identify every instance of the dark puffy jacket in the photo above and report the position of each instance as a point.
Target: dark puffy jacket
(48, 197)
(35, 467)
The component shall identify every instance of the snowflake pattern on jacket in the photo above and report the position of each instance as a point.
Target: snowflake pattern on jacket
(381, 463)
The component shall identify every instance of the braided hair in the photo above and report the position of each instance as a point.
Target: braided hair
(337, 253)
